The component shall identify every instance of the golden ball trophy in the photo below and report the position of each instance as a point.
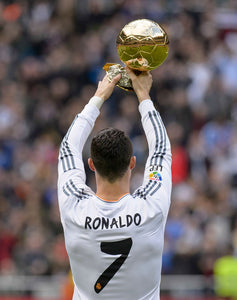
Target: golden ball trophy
(142, 45)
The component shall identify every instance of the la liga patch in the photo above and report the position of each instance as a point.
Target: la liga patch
(155, 176)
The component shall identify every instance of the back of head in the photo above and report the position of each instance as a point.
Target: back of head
(111, 151)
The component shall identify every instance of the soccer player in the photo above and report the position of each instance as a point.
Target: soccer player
(114, 239)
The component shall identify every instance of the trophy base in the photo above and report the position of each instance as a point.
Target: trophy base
(113, 70)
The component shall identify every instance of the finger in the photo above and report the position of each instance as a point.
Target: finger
(105, 78)
(116, 79)
(131, 73)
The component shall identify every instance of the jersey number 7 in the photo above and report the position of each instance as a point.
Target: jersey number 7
(122, 247)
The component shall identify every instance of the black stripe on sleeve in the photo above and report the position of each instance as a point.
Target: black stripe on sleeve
(164, 133)
(62, 159)
(70, 188)
(67, 186)
(142, 192)
(150, 189)
(156, 136)
(155, 189)
(154, 183)
(160, 145)
(66, 155)
(65, 192)
(70, 155)
(80, 192)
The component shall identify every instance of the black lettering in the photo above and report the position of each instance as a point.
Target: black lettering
(129, 220)
(98, 221)
(137, 219)
(156, 168)
(87, 223)
(114, 222)
(120, 222)
(105, 223)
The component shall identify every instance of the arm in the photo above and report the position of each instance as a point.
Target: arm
(158, 164)
(71, 172)
(157, 173)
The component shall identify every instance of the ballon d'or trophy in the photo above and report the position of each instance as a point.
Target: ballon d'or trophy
(142, 45)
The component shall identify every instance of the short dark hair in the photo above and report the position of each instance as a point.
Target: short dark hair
(111, 151)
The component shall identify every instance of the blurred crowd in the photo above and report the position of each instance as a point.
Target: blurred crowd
(51, 58)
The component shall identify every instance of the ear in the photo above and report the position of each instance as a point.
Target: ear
(132, 162)
(91, 164)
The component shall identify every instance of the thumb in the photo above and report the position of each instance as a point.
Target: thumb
(116, 79)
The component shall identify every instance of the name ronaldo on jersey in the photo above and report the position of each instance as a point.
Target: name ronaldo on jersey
(110, 223)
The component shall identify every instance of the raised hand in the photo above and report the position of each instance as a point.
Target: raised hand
(141, 84)
(105, 87)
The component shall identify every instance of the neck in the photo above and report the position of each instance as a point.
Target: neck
(112, 191)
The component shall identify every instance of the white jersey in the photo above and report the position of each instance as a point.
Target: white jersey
(115, 247)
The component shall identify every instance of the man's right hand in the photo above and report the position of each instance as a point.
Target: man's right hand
(141, 84)
(106, 87)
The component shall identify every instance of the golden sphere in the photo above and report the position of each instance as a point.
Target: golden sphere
(143, 45)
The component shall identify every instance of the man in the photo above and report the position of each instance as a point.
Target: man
(114, 239)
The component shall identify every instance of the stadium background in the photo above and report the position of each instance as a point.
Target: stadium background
(51, 57)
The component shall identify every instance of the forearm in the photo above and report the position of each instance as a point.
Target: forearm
(70, 156)
(141, 84)
(159, 159)
(82, 126)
